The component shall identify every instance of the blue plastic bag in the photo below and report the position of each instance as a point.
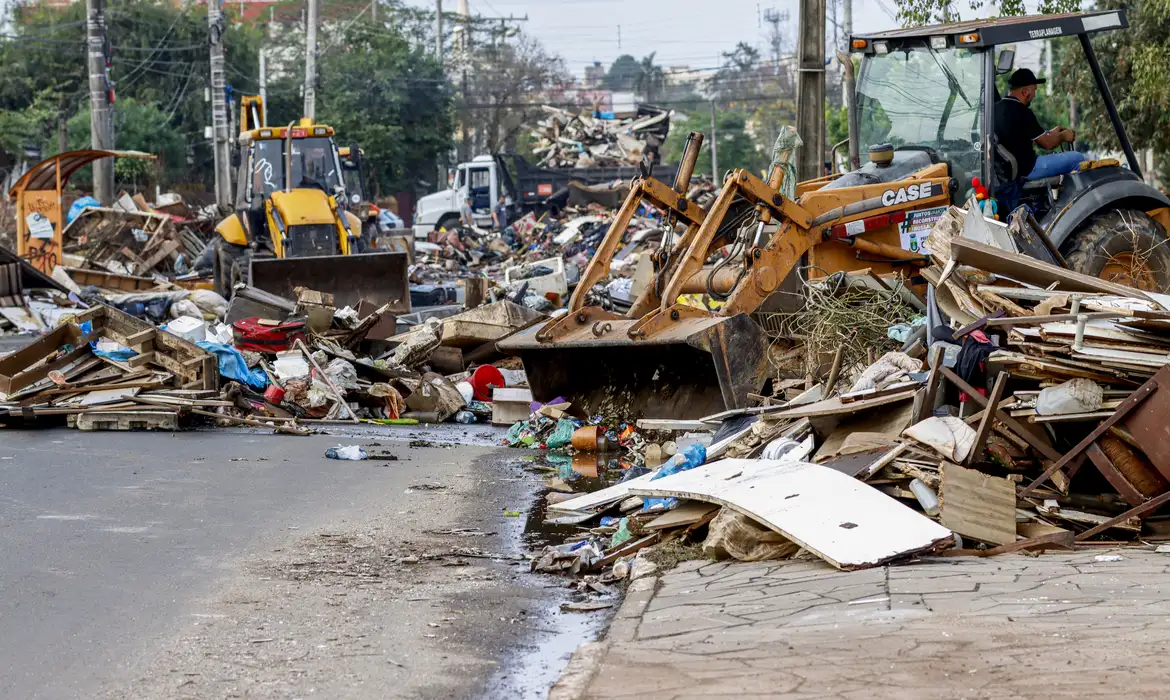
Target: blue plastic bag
(78, 205)
(692, 456)
(232, 365)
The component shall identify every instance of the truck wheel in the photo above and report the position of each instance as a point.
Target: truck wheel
(230, 265)
(448, 222)
(1123, 246)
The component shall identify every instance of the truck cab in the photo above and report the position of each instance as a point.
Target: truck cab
(479, 180)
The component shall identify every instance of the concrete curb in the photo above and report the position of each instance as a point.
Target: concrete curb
(587, 660)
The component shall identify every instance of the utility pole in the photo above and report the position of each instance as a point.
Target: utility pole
(810, 89)
(100, 123)
(714, 148)
(439, 30)
(219, 115)
(311, 61)
(263, 80)
(848, 31)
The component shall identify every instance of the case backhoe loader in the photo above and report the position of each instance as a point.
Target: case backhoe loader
(291, 227)
(923, 112)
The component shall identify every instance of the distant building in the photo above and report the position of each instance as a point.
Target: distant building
(594, 75)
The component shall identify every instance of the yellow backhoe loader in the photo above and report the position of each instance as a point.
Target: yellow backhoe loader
(923, 115)
(291, 227)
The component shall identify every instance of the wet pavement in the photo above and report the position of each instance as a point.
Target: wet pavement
(210, 563)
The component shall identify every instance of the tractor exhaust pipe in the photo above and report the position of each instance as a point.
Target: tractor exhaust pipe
(682, 180)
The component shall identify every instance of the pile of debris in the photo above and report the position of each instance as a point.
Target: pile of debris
(1029, 421)
(564, 139)
(136, 238)
(260, 361)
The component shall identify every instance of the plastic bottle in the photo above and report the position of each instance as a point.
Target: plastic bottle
(348, 452)
(926, 497)
(464, 417)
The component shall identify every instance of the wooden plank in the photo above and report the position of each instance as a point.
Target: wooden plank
(976, 505)
(684, 515)
(96, 398)
(141, 360)
(1141, 394)
(832, 407)
(988, 419)
(926, 409)
(1039, 445)
(847, 523)
(669, 424)
(1135, 512)
(1032, 271)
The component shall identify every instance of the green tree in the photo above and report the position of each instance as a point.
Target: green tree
(736, 149)
(651, 79)
(1135, 64)
(622, 73)
(388, 95)
(138, 127)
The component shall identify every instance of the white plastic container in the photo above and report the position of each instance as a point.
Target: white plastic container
(189, 328)
(544, 284)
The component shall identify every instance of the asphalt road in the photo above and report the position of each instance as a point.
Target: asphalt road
(143, 565)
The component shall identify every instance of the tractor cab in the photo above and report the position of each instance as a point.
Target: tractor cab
(928, 94)
(290, 184)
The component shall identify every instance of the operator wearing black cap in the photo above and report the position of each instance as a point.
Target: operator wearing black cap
(1017, 129)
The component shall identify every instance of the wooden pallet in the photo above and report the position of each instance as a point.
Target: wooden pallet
(126, 420)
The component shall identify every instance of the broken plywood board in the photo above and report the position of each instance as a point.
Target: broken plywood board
(847, 523)
(835, 407)
(976, 505)
(103, 396)
(590, 502)
(1032, 271)
(685, 515)
(486, 324)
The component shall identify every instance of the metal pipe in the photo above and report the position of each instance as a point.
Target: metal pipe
(722, 282)
(686, 167)
(892, 252)
(1103, 88)
(1079, 339)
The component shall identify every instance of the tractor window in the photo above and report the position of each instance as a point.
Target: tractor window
(267, 168)
(917, 96)
(314, 164)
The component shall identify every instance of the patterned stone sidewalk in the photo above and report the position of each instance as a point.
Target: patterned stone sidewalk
(1013, 626)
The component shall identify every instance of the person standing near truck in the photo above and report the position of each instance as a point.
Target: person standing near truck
(500, 214)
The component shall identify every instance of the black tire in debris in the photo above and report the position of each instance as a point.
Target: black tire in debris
(1130, 243)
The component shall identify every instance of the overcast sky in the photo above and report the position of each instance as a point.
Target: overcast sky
(682, 32)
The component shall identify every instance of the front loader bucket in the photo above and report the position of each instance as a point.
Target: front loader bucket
(378, 278)
(696, 367)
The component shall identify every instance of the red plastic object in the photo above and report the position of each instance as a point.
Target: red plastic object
(262, 335)
(484, 379)
(274, 394)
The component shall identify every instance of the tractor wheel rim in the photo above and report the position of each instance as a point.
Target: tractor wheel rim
(1130, 270)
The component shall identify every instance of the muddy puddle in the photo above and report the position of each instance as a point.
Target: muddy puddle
(532, 670)
(583, 472)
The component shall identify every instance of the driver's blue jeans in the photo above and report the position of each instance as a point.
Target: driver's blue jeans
(1055, 164)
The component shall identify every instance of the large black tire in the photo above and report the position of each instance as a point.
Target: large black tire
(450, 221)
(1124, 246)
(230, 266)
